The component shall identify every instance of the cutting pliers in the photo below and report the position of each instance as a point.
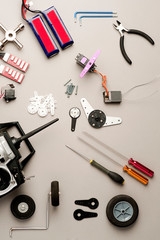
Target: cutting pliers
(121, 30)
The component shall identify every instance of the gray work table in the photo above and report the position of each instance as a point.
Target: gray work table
(138, 136)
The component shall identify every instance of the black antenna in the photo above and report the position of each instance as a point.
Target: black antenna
(17, 141)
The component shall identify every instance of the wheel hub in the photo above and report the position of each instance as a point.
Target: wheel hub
(23, 207)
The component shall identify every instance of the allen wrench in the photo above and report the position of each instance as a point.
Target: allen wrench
(95, 16)
(53, 197)
(91, 12)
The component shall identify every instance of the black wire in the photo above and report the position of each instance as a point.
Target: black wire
(34, 11)
(22, 13)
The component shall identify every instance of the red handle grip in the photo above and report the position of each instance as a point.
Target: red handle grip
(141, 167)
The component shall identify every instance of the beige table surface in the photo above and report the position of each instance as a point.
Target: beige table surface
(138, 136)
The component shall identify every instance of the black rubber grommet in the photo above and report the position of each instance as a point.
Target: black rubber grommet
(23, 207)
(55, 193)
(97, 118)
(122, 211)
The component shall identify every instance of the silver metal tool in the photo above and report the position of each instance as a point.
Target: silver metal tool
(10, 36)
(91, 12)
(97, 118)
(95, 16)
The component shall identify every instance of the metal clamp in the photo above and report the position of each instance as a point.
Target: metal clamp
(10, 36)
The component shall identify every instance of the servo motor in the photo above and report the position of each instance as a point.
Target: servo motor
(82, 61)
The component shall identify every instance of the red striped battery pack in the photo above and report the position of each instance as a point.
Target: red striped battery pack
(58, 28)
(43, 36)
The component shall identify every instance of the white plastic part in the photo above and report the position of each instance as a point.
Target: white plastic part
(42, 104)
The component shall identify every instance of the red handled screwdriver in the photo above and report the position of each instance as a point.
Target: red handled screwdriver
(131, 161)
(130, 171)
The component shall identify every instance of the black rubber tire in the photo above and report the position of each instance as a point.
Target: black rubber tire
(29, 203)
(55, 193)
(113, 203)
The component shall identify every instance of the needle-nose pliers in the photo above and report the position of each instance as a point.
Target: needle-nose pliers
(121, 30)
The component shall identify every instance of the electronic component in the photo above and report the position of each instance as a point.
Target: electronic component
(113, 97)
(9, 93)
(43, 36)
(11, 168)
(83, 61)
(58, 28)
(41, 31)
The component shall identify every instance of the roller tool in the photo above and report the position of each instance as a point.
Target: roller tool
(121, 30)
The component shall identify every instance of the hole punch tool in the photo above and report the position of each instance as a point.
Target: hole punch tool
(10, 36)
(97, 118)
(121, 30)
(113, 175)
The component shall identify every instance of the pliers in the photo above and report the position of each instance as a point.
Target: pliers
(121, 30)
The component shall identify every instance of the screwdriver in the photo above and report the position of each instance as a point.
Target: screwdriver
(114, 176)
(130, 171)
(135, 164)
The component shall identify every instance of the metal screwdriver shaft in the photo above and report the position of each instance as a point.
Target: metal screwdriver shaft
(130, 171)
(114, 176)
(131, 161)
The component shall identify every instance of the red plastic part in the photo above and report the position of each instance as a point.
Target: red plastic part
(141, 167)
(18, 63)
(13, 74)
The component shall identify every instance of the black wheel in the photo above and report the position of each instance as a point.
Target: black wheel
(122, 210)
(55, 193)
(23, 207)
